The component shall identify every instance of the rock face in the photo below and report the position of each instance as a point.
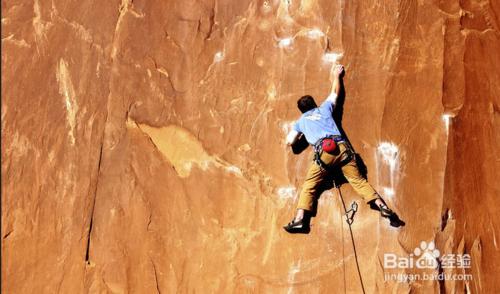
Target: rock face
(143, 143)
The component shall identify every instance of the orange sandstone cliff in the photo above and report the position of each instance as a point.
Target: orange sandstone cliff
(143, 143)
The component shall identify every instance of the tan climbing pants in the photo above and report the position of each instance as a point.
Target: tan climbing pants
(315, 176)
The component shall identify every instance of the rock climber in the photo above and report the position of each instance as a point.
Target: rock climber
(331, 150)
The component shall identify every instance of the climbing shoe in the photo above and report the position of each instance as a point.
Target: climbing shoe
(385, 211)
(298, 227)
(395, 221)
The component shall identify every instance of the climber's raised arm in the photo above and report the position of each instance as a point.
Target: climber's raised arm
(335, 73)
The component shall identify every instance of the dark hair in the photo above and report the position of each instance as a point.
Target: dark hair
(306, 103)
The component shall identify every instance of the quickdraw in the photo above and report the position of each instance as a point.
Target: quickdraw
(349, 214)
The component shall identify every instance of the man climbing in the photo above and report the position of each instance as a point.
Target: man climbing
(331, 150)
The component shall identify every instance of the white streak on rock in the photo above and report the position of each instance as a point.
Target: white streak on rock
(294, 269)
(67, 90)
(286, 192)
(315, 34)
(82, 32)
(332, 57)
(447, 121)
(387, 157)
(495, 240)
(286, 42)
(389, 192)
(163, 71)
(219, 56)
(4, 112)
(234, 170)
(98, 69)
(389, 153)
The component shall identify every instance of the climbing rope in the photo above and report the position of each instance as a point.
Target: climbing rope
(349, 219)
(343, 249)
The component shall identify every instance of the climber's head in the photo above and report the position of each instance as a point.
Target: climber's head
(306, 103)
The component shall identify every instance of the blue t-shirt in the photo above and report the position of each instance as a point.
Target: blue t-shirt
(317, 123)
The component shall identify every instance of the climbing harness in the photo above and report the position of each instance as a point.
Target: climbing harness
(329, 142)
(350, 220)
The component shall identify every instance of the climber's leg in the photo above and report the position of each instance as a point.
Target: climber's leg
(363, 188)
(310, 190)
(310, 187)
(312, 183)
(358, 182)
(300, 223)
